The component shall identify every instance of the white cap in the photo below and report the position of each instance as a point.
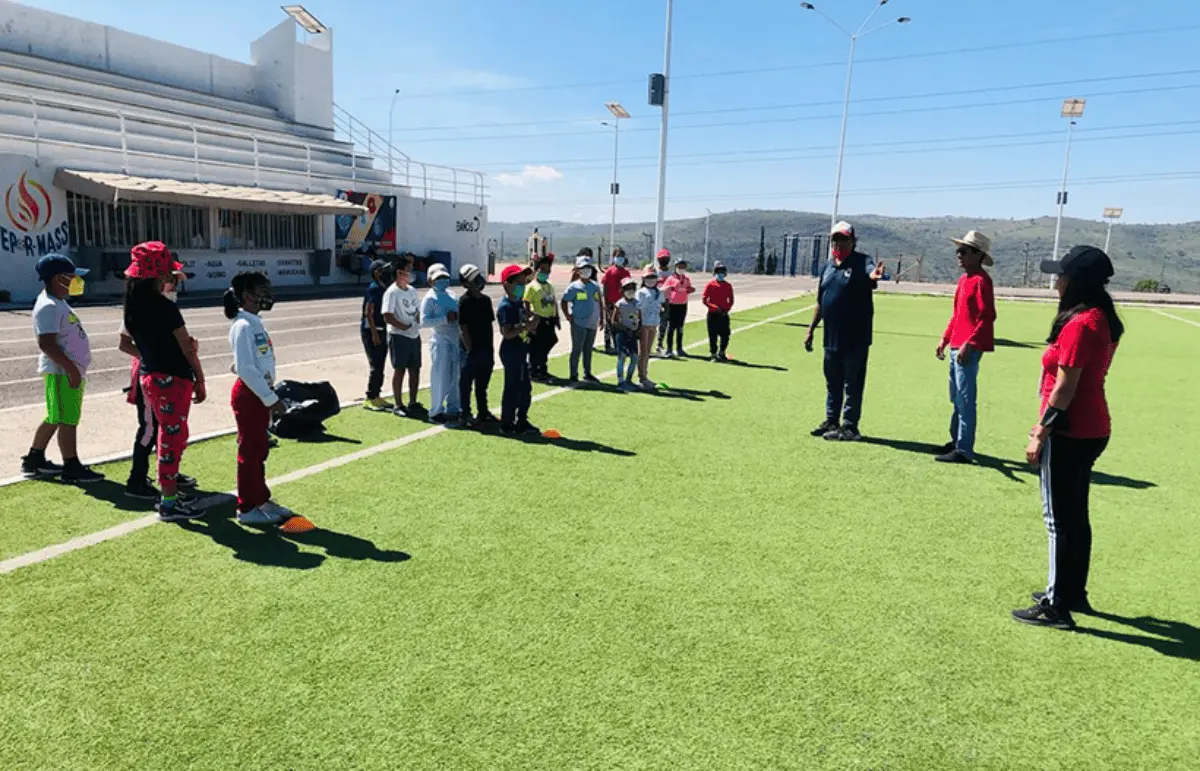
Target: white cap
(583, 262)
(468, 272)
(438, 270)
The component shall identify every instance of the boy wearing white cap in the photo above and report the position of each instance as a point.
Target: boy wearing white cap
(439, 312)
(969, 335)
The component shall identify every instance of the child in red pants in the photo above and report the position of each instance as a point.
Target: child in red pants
(254, 400)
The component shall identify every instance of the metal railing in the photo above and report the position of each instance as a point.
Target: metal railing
(130, 132)
(430, 180)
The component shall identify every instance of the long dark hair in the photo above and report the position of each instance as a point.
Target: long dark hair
(1082, 295)
(138, 293)
(238, 287)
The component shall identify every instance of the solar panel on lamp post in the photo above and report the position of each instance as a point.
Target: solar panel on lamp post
(619, 113)
(306, 20)
(854, 36)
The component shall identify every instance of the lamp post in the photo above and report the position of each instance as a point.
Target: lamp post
(1072, 109)
(391, 114)
(707, 217)
(854, 36)
(618, 113)
(1112, 215)
(662, 137)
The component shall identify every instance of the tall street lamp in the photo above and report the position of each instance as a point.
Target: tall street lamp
(662, 137)
(1072, 109)
(618, 113)
(707, 218)
(854, 36)
(391, 114)
(1112, 215)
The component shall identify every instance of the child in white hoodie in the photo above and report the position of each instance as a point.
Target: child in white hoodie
(254, 399)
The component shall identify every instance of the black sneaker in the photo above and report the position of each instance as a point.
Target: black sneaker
(849, 433)
(142, 490)
(527, 428)
(954, 456)
(508, 430)
(1044, 615)
(722, 357)
(78, 474)
(1083, 606)
(573, 380)
(439, 418)
(825, 428)
(185, 481)
(177, 511)
(946, 448)
(416, 408)
(38, 466)
(590, 378)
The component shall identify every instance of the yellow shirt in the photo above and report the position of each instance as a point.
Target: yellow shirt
(540, 298)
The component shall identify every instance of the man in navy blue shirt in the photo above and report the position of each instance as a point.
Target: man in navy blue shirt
(845, 301)
(374, 334)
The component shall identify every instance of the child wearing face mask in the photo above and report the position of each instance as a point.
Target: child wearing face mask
(439, 312)
(515, 324)
(581, 306)
(63, 365)
(677, 288)
(539, 300)
(718, 299)
(664, 272)
(612, 281)
(626, 323)
(139, 484)
(650, 303)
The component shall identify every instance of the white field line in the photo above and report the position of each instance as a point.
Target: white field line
(81, 542)
(1177, 318)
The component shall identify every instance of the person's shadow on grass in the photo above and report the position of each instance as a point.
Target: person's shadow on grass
(271, 548)
(321, 437)
(1014, 470)
(576, 445)
(112, 492)
(1171, 638)
(751, 365)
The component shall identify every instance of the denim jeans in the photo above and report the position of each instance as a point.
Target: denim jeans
(518, 388)
(963, 392)
(845, 380)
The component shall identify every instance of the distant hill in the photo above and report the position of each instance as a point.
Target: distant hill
(1139, 251)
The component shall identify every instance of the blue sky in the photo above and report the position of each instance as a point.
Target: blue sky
(954, 113)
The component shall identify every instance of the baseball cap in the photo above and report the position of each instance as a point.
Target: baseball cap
(56, 265)
(1085, 262)
(719, 267)
(631, 281)
(378, 265)
(512, 271)
(583, 261)
(664, 254)
(438, 270)
(467, 273)
(842, 228)
(151, 259)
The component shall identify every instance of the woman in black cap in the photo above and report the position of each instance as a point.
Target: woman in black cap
(1074, 427)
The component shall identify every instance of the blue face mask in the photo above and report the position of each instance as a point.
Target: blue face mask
(543, 277)
(518, 291)
(441, 285)
(619, 261)
(721, 277)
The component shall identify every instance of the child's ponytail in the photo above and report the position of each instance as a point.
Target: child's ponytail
(230, 301)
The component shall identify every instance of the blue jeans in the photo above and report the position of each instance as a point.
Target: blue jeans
(963, 392)
(518, 388)
(845, 380)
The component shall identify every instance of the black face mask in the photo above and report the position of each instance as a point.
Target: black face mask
(266, 300)
(479, 283)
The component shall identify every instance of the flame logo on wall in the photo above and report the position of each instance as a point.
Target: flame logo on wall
(29, 209)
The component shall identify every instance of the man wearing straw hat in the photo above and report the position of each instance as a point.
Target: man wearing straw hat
(969, 335)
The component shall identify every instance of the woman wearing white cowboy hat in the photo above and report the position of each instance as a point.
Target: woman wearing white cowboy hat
(969, 335)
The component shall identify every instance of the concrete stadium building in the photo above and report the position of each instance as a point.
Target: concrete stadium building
(108, 139)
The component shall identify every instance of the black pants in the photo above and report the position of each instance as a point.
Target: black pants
(476, 372)
(718, 332)
(518, 388)
(545, 337)
(1066, 477)
(845, 381)
(377, 358)
(146, 440)
(677, 315)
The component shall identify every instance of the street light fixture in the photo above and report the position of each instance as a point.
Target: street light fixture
(854, 36)
(1072, 109)
(391, 113)
(1112, 215)
(306, 20)
(619, 113)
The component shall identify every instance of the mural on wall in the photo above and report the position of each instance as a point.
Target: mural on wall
(33, 223)
(375, 230)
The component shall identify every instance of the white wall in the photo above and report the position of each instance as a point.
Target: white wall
(459, 229)
(295, 78)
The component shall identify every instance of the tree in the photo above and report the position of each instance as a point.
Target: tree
(760, 266)
(1146, 285)
(772, 260)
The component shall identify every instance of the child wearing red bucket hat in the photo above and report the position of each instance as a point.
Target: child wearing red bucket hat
(170, 373)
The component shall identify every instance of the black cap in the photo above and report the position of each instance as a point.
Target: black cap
(719, 267)
(383, 265)
(1085, 262)
(56, 265)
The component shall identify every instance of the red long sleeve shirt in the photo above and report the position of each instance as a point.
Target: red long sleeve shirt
(718, 296)
(974, 316)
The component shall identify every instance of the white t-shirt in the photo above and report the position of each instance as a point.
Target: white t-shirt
(405, 306)
(52, 316)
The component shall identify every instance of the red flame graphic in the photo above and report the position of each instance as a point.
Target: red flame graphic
(33, 209)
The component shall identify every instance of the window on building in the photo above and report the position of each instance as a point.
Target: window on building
(238, 230)
(94, 223)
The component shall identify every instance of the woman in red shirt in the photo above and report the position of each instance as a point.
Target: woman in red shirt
(1074, 427)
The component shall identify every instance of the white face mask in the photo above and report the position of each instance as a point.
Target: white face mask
(585, 273)
(630, 294)
(651, 283)
(681, 271)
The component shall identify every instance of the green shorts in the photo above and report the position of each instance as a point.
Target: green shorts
(64, 404)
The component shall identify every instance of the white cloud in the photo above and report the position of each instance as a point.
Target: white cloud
(528, 176)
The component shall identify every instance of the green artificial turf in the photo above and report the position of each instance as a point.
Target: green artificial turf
(687, 580)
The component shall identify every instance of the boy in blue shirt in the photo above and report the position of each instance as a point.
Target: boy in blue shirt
(516, 324)
(581, 306)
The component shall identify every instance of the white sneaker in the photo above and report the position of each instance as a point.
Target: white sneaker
(259, 517)
(283, 512)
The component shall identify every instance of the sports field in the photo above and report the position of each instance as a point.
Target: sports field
(688, 579)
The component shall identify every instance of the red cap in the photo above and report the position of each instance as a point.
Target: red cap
(151, 259)
(512, 271)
